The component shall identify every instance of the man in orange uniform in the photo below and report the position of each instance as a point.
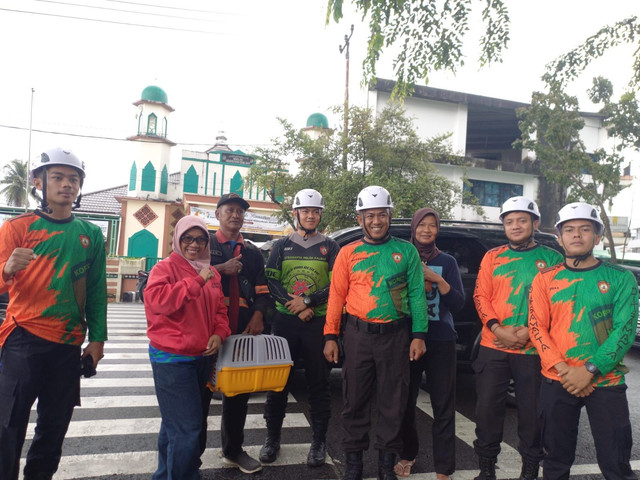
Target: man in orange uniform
(501, 298)
(53, 265)
(582, 320)
(379, 281)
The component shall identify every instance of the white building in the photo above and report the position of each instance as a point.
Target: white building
(483, 129)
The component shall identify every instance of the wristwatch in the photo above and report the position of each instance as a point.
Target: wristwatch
(307, 301)
(591, 368)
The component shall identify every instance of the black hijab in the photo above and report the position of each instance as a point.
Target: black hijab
(427, 252)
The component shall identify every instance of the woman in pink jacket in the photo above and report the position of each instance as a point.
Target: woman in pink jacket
(186, 324)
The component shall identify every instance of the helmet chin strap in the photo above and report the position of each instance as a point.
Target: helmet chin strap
(76, 203)
(577, 259)
(44, 205)
(525, 243)
(521, 245)
(307, 231)
(368, 235)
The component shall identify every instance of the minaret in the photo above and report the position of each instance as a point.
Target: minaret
(317, 126)
(149, 174)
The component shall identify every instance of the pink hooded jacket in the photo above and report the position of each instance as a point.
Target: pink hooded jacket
(182, 310)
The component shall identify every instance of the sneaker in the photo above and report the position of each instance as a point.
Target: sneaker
(244, 462)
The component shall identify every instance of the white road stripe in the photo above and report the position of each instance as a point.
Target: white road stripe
(97, 382)
(127, 401)
(131, 463)
(466, 431)
(121, 356)
(132, 426)
(124, 368)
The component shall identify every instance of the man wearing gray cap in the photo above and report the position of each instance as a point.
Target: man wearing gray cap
(246, 293)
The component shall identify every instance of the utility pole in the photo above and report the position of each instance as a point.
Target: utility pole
(26, 182)
(345, 48)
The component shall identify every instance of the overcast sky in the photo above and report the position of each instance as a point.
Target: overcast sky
(230, 65)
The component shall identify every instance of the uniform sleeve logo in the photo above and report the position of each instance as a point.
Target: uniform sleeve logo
(323, 250)
(397, 257)
(541, 264)
(603, 286)
(84, 241)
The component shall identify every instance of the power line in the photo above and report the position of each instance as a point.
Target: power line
(111, 21)
(99, 137)
(121, 10)
(172, 8)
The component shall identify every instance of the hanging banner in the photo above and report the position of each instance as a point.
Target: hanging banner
(253, 222)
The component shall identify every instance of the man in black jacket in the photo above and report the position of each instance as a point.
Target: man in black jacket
(247, 296)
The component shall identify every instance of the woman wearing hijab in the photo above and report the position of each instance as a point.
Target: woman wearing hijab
(444, 291)
(186, 324)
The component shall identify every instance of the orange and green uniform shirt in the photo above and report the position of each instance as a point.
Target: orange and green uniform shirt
(63, 291)
(377, 283)
(502, 288)
(580, 315)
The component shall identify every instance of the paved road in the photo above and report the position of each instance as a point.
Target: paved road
(113, 435)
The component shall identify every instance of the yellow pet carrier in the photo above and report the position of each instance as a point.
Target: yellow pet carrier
(251, 363)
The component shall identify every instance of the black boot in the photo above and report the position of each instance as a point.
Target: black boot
(529, 470)
(354, 466)
(386, 460)
(487, 468)
(317, 453)
(271, 447)
(318, 450)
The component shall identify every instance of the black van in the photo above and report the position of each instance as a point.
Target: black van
(467, 242)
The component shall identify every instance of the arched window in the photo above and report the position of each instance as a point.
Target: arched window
(164, 180)
(152, 124)
(236, 184)
(133, 176)
(190, 181)
(148, 183)
(164, 127)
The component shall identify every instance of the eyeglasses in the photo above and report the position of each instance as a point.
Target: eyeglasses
(200, 241)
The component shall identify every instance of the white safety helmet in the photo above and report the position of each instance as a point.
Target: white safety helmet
(308, 198)
(373, 197)
(579, 211)
(519, 204)
(58, 156)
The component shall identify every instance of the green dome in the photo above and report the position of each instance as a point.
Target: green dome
(154, 94)
(317, 120)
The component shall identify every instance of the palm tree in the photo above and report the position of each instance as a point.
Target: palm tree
(15, 178)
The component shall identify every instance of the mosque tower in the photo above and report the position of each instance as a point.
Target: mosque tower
(149, 174)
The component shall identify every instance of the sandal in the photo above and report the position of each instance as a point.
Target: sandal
(403, 467)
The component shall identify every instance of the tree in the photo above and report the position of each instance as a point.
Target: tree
(383, 150)
(551, 127)
(15, 177)
(430, 35)
(571, 64)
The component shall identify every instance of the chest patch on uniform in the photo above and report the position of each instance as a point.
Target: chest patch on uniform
(84, 241)
(541, 264)
(603, 286)
(397, 257)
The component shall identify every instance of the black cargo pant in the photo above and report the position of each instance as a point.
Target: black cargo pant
(306, 342)
(36, 368)
(376, 360)
(234, 417)
(439, 364)
(494, 370)
(608, 413)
